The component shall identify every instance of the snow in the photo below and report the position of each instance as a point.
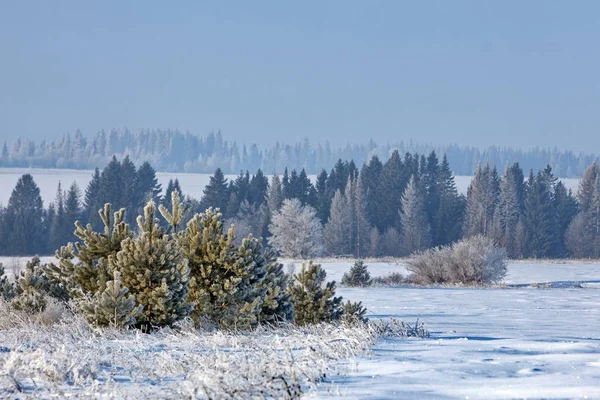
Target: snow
(192, 184)
(516, 341)
(486, 343)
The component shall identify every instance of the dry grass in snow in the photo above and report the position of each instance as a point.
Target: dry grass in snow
(57, 355)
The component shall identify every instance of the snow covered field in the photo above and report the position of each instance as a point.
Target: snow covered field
(486, 343)
(513, 342)
(191, 184)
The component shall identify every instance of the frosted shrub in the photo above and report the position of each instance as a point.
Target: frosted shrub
(471, 261)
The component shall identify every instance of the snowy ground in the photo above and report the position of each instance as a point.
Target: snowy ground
(516, 341)
(191, 184)
(486, 343)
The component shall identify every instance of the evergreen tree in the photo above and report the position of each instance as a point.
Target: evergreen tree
(172, 186)
(155, 272)
(147, 185)
(566, 209)
(60, 230)
(416, 235)
(538, 219)
(114, 307)
(587, 186)
(448, 218)
(482, 198)
(257, 189)
(274, 196)
(225, 284)
(358, 276)
(507, 214)
(111, 184)
(392, 184)
(23, 222)
(338, 230)
(216, 193)
(72, 212)
(371, 180)
(323, 202)
(431, 180)
(130, 195)
(313, 302)
(92, 201)
(362, 228)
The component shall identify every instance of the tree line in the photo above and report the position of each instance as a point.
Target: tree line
(395, 207)
(172, 150)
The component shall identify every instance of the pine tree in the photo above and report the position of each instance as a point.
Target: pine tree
(392, 184)
(130, 196)
(507, 215)
(216, 193)
(223, 280)
(83, 267)
(358, 276)
(313, 302)
(323, 202)
(416, 235)
(432, 192)
(23, 219)
(114, 307)
(172, 186)
(362, 228)
(566, 209)
(276, 305)
(92, 201)
(371, 180)
(587, 186)
(538, 218)
(338, 230)
(147, 184)
(482, 197)
(59, 229)
(155, 272)
(449, 216)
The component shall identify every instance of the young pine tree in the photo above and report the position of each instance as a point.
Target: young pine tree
(314, 300)
(358, 276)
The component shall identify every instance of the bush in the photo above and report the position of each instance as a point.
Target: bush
(358, 276)
(472, 261)
(393, 279)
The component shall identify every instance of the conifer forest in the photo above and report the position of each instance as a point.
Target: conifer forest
(392, 207)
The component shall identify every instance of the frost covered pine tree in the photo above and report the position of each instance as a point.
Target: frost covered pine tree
(416, 234)
(296, 230)
(507, 214)
(226, 283)
(114, 307)
(155, 272)
(482, 197)
(314, 300)
(338, 230)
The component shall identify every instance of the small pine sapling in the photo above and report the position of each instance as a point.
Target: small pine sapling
(313, 302)
(354, 313)
(154, 271)
(29, 292)
(358, 276)
(7, 288)
(114, 307)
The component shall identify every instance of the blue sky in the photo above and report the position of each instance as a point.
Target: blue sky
(518, 73)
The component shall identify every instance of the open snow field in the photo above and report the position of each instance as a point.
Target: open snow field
(191, 184)
(485, 343)
(517, 341)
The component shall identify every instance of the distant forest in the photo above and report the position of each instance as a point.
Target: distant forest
(395, 207)
(175, 151)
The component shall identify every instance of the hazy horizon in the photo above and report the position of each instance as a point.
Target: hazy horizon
(515, 74)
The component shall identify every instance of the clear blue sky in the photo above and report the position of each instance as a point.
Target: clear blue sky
(520, 73)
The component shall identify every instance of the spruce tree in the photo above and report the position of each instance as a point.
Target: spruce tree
(538, 218)
(23, 223)
(449, 216)
(216, 193)
(482, 198)
(323, 202)
(371, 180)
(130, 195)
(507, 215)
(92, 201)
(147, 185)
(362, 228)
(587, 186)
(566, 209)
(338, 230)
(392, 184)
(416, 234)
(314, 300)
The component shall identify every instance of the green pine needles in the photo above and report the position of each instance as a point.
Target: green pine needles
(156, 277)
